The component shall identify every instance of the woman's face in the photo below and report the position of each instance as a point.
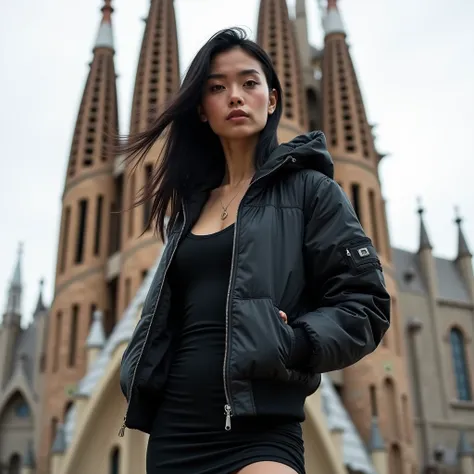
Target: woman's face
(236, 100)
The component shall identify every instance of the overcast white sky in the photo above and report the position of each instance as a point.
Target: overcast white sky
(414, 61)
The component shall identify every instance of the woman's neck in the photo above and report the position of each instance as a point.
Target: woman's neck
(239, 158)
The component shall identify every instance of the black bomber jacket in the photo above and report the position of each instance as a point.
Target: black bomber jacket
(298, 247)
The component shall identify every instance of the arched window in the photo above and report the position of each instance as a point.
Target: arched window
(54, 429)
(22, 410)
(395, 459)
(14, 464)
(461, 372)
(390, 407)
(115, 461)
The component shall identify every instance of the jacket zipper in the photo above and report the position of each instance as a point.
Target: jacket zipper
(228, 405)
(122, 428)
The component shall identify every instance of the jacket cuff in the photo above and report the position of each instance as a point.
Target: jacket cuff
(302, 349)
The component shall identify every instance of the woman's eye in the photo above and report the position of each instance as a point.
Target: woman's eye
(216, 88)
(251, 83)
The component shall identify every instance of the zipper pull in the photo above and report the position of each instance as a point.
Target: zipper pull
(121, 432)
(228, 414)
(348, 253)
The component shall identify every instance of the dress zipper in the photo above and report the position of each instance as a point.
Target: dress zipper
(228, 405)
(122, 428)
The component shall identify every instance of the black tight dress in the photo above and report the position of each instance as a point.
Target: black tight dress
(188, 434)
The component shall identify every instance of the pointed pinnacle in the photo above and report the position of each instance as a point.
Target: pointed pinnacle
(463, 249)
(332, 21)
(96, 338)
(16, 280)
(424, 239)
(40, 306)
(107, 11)
(105, 37)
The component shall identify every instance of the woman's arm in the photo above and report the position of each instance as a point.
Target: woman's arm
(345, 282)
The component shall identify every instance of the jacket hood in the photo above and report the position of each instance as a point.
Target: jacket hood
(309, 152)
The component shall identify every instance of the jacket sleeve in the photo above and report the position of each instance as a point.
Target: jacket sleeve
(345, 284)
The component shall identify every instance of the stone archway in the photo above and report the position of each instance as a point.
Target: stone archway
(16, 431)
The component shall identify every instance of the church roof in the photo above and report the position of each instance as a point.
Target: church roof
(410, 277)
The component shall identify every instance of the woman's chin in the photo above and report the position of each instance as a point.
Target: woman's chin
(238, 133)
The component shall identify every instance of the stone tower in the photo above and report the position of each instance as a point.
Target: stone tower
(82, 259)
(11, 322)
(277, 36)
(157, 79)
(377, 386)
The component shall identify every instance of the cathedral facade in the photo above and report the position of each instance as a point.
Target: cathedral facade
(407, 408)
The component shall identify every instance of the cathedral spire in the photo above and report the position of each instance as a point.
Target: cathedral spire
(40, 306)
(97, 119)
(277, 36)
(424, 239)
(158, 75)
(14, 291)
(332, 21)
(105, 38)
(463, 249)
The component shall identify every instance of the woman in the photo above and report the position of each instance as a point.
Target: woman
(267, 279)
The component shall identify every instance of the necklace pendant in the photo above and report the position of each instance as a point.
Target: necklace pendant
(224, 215)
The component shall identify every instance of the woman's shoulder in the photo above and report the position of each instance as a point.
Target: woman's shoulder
(312, 187)
(308, 180)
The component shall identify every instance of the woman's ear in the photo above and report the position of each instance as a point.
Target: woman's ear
(272, 101)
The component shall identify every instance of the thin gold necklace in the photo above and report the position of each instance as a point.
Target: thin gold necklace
(224, 213)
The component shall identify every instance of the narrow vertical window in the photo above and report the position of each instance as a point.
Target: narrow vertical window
(461, 371)
(391, 407)
(147, 205)
(57, 340)
(406, 418)
(91, 314)
(373, 400)
(395, 460)
(115, 461)
(373, 215)
(98, 224)
(73, 336)
(130, 207)
(65, 235)
(395, 319)
(54, 429)
(355, 190)
(128, 290)
(81, 231)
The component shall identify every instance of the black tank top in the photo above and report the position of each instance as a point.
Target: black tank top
(199, 278)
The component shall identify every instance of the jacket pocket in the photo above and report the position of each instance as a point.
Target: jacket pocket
(289, 341)
(261, 343)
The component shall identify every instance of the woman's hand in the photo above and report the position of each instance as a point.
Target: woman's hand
(284, 317)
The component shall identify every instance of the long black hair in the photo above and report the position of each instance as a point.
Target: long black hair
(192, 152)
